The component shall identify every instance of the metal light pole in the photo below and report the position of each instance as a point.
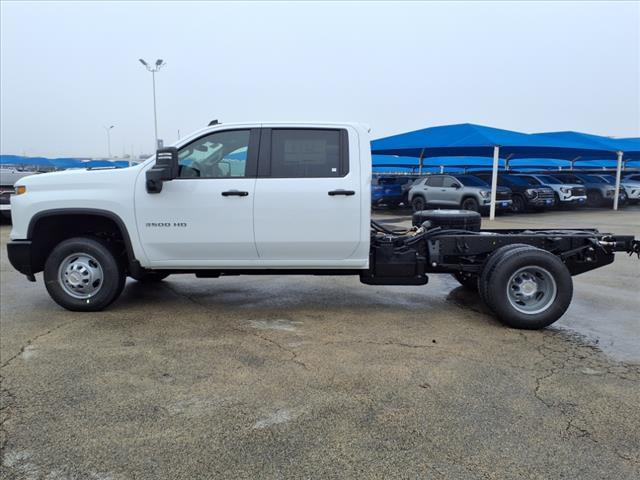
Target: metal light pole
(153, 69)
(108, 130)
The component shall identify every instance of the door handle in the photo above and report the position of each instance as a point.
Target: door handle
(234, 193)
(346, 193)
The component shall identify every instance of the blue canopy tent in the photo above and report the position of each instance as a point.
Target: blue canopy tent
(477, 140)
(623, 148)
(67, 163)
(18, 160)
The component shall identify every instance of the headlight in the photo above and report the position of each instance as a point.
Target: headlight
(530, 192)
(610, 193)
(565, 190)
(485, 193)
(20, 189)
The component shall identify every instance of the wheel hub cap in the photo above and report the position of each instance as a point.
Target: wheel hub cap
(80, 275)
(531, 290)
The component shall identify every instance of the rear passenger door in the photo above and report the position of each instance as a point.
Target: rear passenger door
(433, 190)
(307, 204)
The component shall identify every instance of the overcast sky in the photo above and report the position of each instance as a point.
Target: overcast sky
(68, 69)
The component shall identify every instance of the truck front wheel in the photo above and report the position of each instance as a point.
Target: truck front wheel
(83, 274)
(527, 288)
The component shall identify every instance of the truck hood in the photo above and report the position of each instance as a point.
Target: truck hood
(77, 178)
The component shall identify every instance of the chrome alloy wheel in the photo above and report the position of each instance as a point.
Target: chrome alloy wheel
(531, 290)
(80, 275)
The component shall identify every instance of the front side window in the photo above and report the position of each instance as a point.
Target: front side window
(218, 155)
(449, 182)
(303, 153)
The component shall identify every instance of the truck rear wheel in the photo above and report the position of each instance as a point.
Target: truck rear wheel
(527, 288)
(83, 274)
(490, 262)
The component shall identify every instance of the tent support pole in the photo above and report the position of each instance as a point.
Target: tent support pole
(494, 182)
(420, 162)
(618, 171)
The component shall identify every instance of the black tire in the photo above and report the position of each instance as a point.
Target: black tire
(467, 280)
(418, 203)
(150, 276)
(490, 262)
(594, 198)
(518, 205)
(449, 219)
(624, 200)
(110, 285)
(552, 280)
(470, 204)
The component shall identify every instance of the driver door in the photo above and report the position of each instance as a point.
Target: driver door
(203, 218)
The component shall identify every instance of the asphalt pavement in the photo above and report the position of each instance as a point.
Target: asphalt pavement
(322, 377)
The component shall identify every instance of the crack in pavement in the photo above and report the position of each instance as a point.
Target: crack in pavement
(31, 340)
(7, 409)
(294, 355)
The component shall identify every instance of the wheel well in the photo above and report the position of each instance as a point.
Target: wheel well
(468, 196)
(49, 230)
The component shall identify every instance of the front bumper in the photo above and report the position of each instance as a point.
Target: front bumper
(574, 200)
(20, 255)
(500, 204)
(541, 202)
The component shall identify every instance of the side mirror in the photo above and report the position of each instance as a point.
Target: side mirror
(456, 186)
(165, 169)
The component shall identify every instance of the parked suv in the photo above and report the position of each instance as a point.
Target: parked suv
(525, 194)
(462, 191)
(386, 190)
(631, 187)
(567, 194)
(599, 192)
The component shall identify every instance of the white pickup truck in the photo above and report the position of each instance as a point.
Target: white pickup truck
(277, 198)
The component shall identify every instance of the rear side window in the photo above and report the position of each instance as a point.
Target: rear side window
(308, 153)
(435, 181)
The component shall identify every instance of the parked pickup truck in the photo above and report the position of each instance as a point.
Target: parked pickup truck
(277, 198)
(567, 194)
(9, 176)
(525, 194)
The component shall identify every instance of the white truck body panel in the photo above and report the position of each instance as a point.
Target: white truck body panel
(282, 223)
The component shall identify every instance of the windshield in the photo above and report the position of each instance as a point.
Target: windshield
(471, 181)
(532, 181)
(609, 179)
(549, 180)
(516, 180)
(591, 179)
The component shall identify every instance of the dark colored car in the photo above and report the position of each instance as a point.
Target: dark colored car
(524, 193)
(388, 189)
